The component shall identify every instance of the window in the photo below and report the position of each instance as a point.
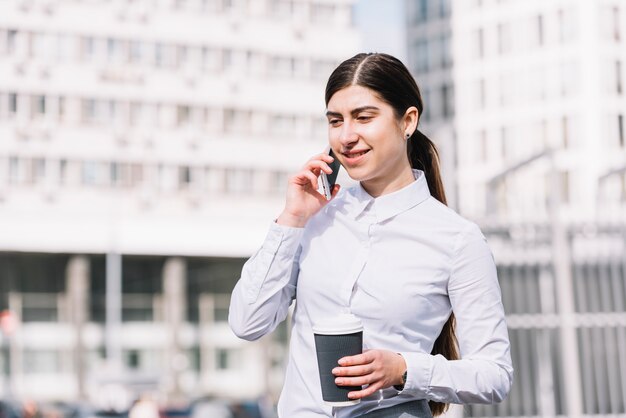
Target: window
(283, 124)
(239, 181)
(12, 103)
(184, 177)
(89, 173)
(225, 359)
(540, 30)
(39, 170)
(479, 39)
(281, 9)
(615, 23)
(618, 77)
(135, 52)
(323, 13)
(88, 48)
(504, 142)
(420, 13)
(14, 170)
(426, 99)
(565, 131)
(11, 41)
(39, 105)
(620, 130)
(182, 115)
(444, 8)
(446, 51)
(481, 95)
(482, 146)
(43, 361)
(447, 100)
(420, 56)
(564, 186)
(567, 25)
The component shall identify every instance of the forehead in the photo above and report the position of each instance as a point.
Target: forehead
(353, 97)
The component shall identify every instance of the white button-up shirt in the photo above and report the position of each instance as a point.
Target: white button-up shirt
(402, 263)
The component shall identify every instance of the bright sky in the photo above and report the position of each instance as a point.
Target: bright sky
(381, 23)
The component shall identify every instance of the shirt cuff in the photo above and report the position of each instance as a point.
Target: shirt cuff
(419, 368)
(282, 240)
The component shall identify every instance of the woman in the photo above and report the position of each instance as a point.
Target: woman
(389, 251)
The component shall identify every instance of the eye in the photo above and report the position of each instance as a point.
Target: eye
(334, 122)
(364, 118)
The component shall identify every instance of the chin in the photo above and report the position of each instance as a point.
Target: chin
(357, 173)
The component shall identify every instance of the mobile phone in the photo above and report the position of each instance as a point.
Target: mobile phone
(328, 180)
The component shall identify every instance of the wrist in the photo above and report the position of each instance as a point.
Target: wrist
(401, 375)
(288, 219)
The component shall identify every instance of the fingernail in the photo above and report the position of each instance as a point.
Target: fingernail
(341, 362)
(351, 395)
(335, 370)
(338, 381)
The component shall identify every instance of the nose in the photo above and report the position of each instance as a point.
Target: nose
(348, 134)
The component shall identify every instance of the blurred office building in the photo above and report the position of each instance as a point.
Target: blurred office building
(532, 93)
(144, 150)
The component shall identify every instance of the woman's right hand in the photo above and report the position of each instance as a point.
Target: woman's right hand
(303, 200)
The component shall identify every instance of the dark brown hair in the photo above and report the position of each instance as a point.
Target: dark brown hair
(392, 82)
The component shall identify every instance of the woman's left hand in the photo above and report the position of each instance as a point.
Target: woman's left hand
(376, 368)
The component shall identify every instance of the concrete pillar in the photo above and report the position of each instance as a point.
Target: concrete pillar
(113, 324)
(77, 279)
(174, 293)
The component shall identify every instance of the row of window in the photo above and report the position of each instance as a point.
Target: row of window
(421, 11)
(123, 175)
(431, 54)
(317, 13)
(311, 11)
(50, 361)
(125, 114)
(506, 143)
(539, 30)
(201, 59)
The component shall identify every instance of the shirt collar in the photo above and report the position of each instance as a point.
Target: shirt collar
(389, 205)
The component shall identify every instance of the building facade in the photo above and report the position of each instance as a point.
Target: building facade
(537, 115)
(144, 149)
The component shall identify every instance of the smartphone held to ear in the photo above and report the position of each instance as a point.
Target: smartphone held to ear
(328, 180)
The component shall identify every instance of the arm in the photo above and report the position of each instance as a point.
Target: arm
(267, 286)
(485, 372)
(262, 296)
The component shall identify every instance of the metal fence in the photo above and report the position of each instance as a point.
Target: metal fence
(564, 292)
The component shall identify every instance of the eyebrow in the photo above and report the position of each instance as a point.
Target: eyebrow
(354, 111)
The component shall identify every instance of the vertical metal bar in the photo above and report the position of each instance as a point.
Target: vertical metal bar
(587, 373)
(113, 313)
(565, 295)
(619, 277)
(545, 376)
(609, 337)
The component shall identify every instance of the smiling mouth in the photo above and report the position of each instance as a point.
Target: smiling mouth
(355, 154)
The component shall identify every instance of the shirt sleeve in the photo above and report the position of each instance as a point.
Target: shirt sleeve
(484, 373)
(262, 296)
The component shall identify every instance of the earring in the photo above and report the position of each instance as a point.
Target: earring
(407, 135)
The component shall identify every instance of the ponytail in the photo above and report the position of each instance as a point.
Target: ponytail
(423, 156)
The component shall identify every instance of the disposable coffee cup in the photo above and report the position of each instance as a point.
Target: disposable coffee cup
(335, 338)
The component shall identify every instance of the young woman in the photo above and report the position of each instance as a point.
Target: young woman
(388, 251)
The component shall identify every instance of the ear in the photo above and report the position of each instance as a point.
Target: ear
(409, 120)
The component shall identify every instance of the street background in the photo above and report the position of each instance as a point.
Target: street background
(145, 147)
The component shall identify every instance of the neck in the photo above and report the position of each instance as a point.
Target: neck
(376, 187)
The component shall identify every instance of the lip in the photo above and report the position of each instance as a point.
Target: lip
(350, 160)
